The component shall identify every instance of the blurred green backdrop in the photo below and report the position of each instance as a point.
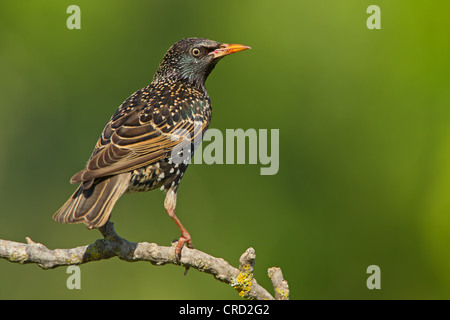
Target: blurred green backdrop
(364, 143)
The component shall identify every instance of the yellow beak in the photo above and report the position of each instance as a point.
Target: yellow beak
(226, 49)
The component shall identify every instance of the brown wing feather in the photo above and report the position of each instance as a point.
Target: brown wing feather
(141, 132)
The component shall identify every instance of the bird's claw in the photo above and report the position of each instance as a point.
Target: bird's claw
(184, 239)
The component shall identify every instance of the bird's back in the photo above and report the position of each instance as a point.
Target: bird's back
(142, 134)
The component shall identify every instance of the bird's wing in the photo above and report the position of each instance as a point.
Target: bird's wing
(145, 129)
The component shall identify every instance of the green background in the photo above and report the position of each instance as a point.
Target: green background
(363, 116)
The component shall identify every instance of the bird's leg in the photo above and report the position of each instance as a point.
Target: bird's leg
(170, 204)
(184, 238)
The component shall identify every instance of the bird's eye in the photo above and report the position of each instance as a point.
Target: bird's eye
(196, 52)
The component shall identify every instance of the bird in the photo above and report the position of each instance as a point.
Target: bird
(148, 142)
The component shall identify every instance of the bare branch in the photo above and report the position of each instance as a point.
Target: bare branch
(279, 284)
(113, 245)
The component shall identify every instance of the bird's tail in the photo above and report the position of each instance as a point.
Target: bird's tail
(93, 205)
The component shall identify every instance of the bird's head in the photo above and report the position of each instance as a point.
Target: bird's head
(193, 59)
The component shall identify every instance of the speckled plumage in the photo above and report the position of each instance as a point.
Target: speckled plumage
(149, 120)
(136, 149)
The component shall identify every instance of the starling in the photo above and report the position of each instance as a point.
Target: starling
(140, 147)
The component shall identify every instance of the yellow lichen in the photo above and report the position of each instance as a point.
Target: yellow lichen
(243, 283)
(18, 257)
(93, 253)
(73, 259)
(202, 265)
(283, 292)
